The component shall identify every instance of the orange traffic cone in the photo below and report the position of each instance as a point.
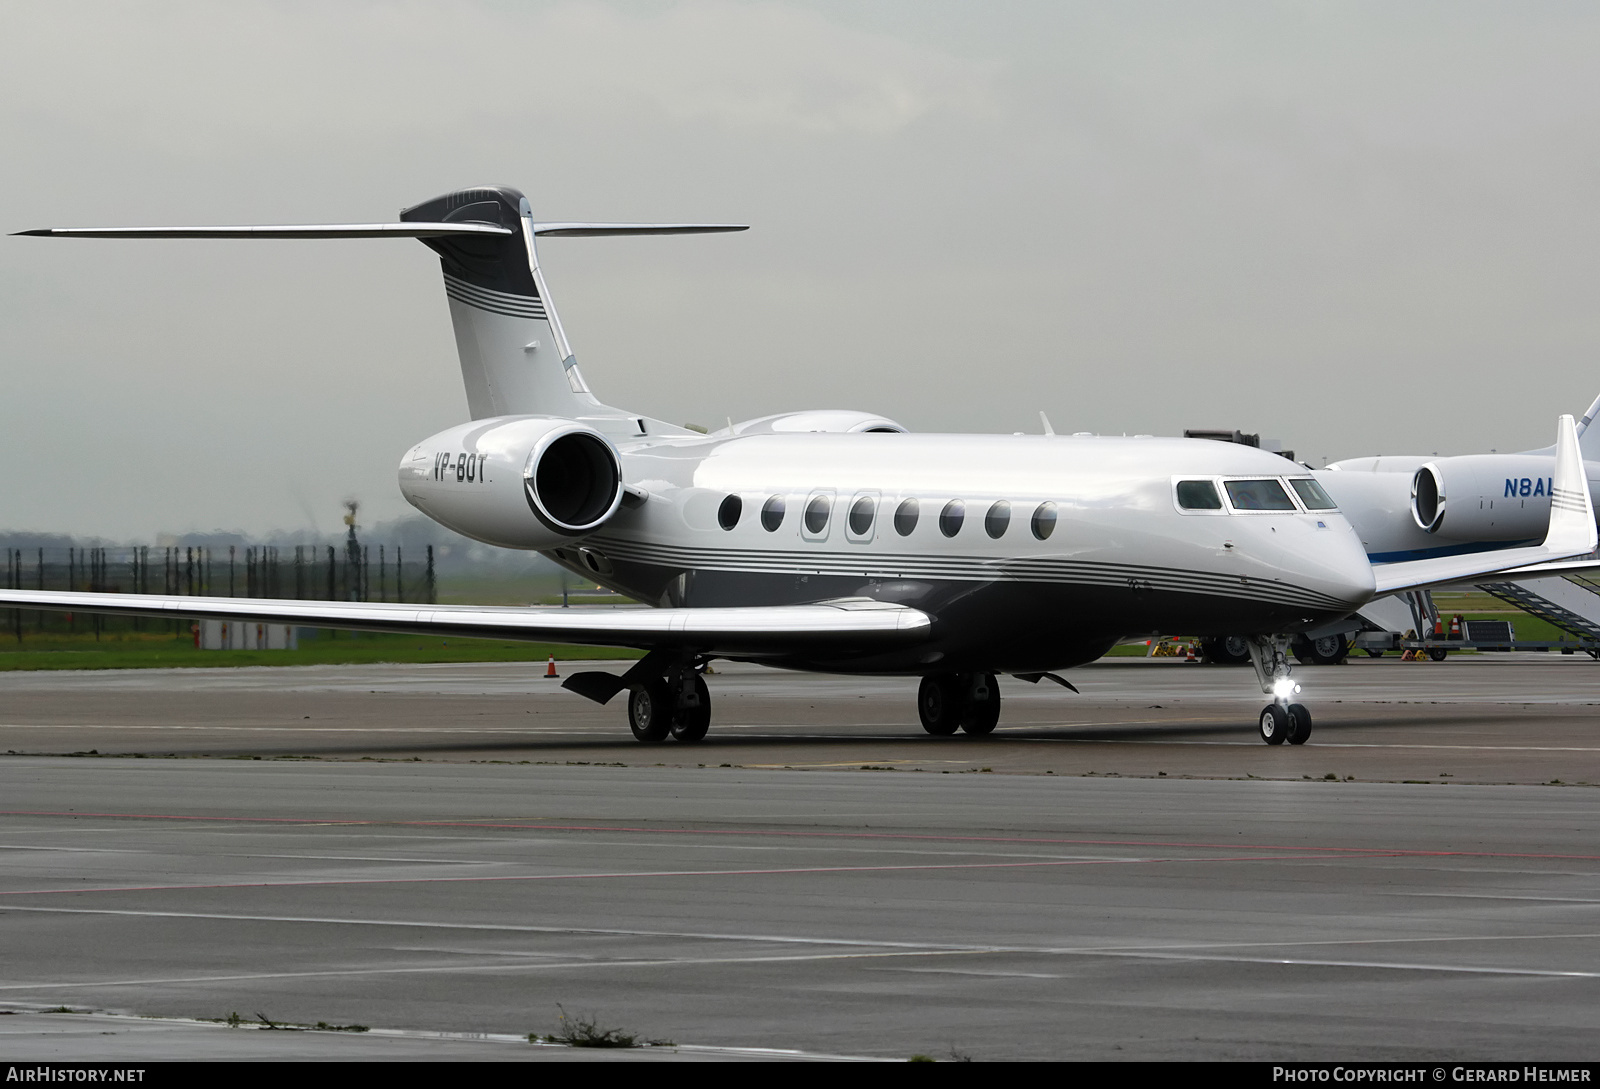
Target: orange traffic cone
(1455, 626)
(1191, 657)
(550, 669)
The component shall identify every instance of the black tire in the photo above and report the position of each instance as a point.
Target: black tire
(940, 700)
(1374, 653)
(649, 711)
(1299, 724)
(1273, 724)
(689, 724)
(981, 716)
(1226, 650)
(1329, 650)
(1438, 654)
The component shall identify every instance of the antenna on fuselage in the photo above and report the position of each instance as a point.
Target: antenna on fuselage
(1048, 430)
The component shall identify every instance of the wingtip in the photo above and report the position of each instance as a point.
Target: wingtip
(36, 231)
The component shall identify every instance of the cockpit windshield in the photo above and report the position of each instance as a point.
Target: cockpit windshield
(1258, 495)
(1198, 495)
(1311, 494)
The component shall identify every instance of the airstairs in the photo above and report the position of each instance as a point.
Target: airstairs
(1570, 604)
(1567, 604)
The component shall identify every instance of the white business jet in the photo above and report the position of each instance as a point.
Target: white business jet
(835, 541)
(1409, 507)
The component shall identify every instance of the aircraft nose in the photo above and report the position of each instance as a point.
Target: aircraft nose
(1345, 571)
(1356, 584)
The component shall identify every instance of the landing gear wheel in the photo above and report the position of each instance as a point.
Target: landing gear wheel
(1274, 724)
(939, 704)
(1299, 724)
(650, 710)
(982, 714)
(1226, 650)
(1329, 650)
(691, 723)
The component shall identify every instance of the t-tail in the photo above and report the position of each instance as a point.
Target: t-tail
(515, 357)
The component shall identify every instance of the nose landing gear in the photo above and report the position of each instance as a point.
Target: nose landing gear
(1280, 723)
(947, 702)
(1280, 720)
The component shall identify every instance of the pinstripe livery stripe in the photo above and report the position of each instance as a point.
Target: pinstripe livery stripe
(1566, 499)
(495, 302)
(969, 569)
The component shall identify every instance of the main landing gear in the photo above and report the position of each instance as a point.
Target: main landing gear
(677, 706)
(667, 697)
(1280, 720)
(948, 702)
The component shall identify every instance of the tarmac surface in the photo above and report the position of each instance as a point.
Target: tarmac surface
(454, 855)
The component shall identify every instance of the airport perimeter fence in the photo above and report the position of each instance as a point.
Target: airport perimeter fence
(305, 572)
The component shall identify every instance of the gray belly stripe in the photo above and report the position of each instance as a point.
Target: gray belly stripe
(955, 568)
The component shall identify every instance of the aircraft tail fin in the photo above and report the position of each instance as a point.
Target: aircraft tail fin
(515, 359)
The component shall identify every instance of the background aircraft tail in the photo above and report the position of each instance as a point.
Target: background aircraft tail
(1589, 437)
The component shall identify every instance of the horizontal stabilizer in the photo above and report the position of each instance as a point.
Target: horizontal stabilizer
(387, 230)
(308, 230)
(603, 230)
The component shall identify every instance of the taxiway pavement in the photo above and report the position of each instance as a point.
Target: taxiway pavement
(827, 911)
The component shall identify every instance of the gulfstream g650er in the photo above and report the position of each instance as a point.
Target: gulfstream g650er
(835, 540)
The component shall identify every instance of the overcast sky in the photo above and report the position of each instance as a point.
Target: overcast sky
(1360, 228)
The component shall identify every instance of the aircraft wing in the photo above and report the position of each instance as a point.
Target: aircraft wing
(1582, 566)
(753, 631)
(1571, 534)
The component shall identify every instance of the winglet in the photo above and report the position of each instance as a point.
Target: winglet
(1572, 528)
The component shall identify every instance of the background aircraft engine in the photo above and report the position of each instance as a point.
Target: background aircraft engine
(516, 481)
(1484, 497)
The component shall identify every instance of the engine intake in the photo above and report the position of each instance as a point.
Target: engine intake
(574, 481)
(1428, 498)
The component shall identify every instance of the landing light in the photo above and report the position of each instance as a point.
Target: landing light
(1285, 688)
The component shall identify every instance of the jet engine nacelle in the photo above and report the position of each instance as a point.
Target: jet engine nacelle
(1484, 497)
(530, 482)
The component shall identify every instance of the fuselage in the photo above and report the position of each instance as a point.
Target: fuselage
(1032, 552)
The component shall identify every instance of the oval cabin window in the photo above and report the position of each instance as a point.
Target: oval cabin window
(1044, 521)
(950, 519)
(728, 513)
(772, 514)
(861, 512)
(905, 517)
(998, 518)
(817, 514)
